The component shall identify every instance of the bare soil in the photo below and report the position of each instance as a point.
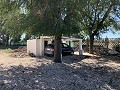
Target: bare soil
(88, 72)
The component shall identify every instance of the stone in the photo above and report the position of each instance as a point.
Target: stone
(113, 52)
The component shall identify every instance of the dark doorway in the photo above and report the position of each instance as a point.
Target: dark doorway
(45, 43)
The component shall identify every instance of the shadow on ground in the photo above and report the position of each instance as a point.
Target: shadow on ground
(60, 76)
(11, 47)
(111, 58)
(68, 59)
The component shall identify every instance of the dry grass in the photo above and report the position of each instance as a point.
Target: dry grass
(8, 50)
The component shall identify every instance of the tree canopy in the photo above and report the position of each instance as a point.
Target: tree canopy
(99, 16)
(44, 17)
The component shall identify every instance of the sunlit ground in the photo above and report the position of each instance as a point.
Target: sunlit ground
(75, 73)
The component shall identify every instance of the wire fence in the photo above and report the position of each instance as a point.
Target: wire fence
(98, 43)
(112, 42)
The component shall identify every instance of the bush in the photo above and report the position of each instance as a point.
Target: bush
(117, 48)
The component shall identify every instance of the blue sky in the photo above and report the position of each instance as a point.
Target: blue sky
(111, 35)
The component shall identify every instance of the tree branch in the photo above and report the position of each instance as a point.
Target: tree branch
(106, 14)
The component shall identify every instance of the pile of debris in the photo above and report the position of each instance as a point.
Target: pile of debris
(105, 51)
(21, 52)
(21, 49)
(101, 50)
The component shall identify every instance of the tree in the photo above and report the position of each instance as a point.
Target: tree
(48, 17)
(98, 17)
(9, 23)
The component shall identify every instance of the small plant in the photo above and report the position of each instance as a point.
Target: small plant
(117, 48)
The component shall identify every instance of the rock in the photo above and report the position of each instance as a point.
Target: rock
(96, 57)
(32, 54)
(119, 55)
(113, 52)
(2, 83)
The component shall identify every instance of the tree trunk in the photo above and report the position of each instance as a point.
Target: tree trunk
(91, 44)
(7, 40)
(3, 40)
(87, 43)
(57, 49)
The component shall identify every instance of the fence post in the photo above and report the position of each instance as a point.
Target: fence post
(80, 47)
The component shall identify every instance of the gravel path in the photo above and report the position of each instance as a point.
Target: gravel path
(75, 73)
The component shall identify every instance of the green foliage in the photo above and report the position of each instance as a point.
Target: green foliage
(43, 17)
(59, 17)
(46, 17)
(99, 16)
(51, 17)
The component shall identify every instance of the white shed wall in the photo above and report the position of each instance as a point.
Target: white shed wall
(36, 46)
(33, 46)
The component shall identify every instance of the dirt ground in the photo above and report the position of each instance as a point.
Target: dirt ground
(75, 73)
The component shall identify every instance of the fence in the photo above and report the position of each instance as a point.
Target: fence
(98, 43)
(112, 42)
